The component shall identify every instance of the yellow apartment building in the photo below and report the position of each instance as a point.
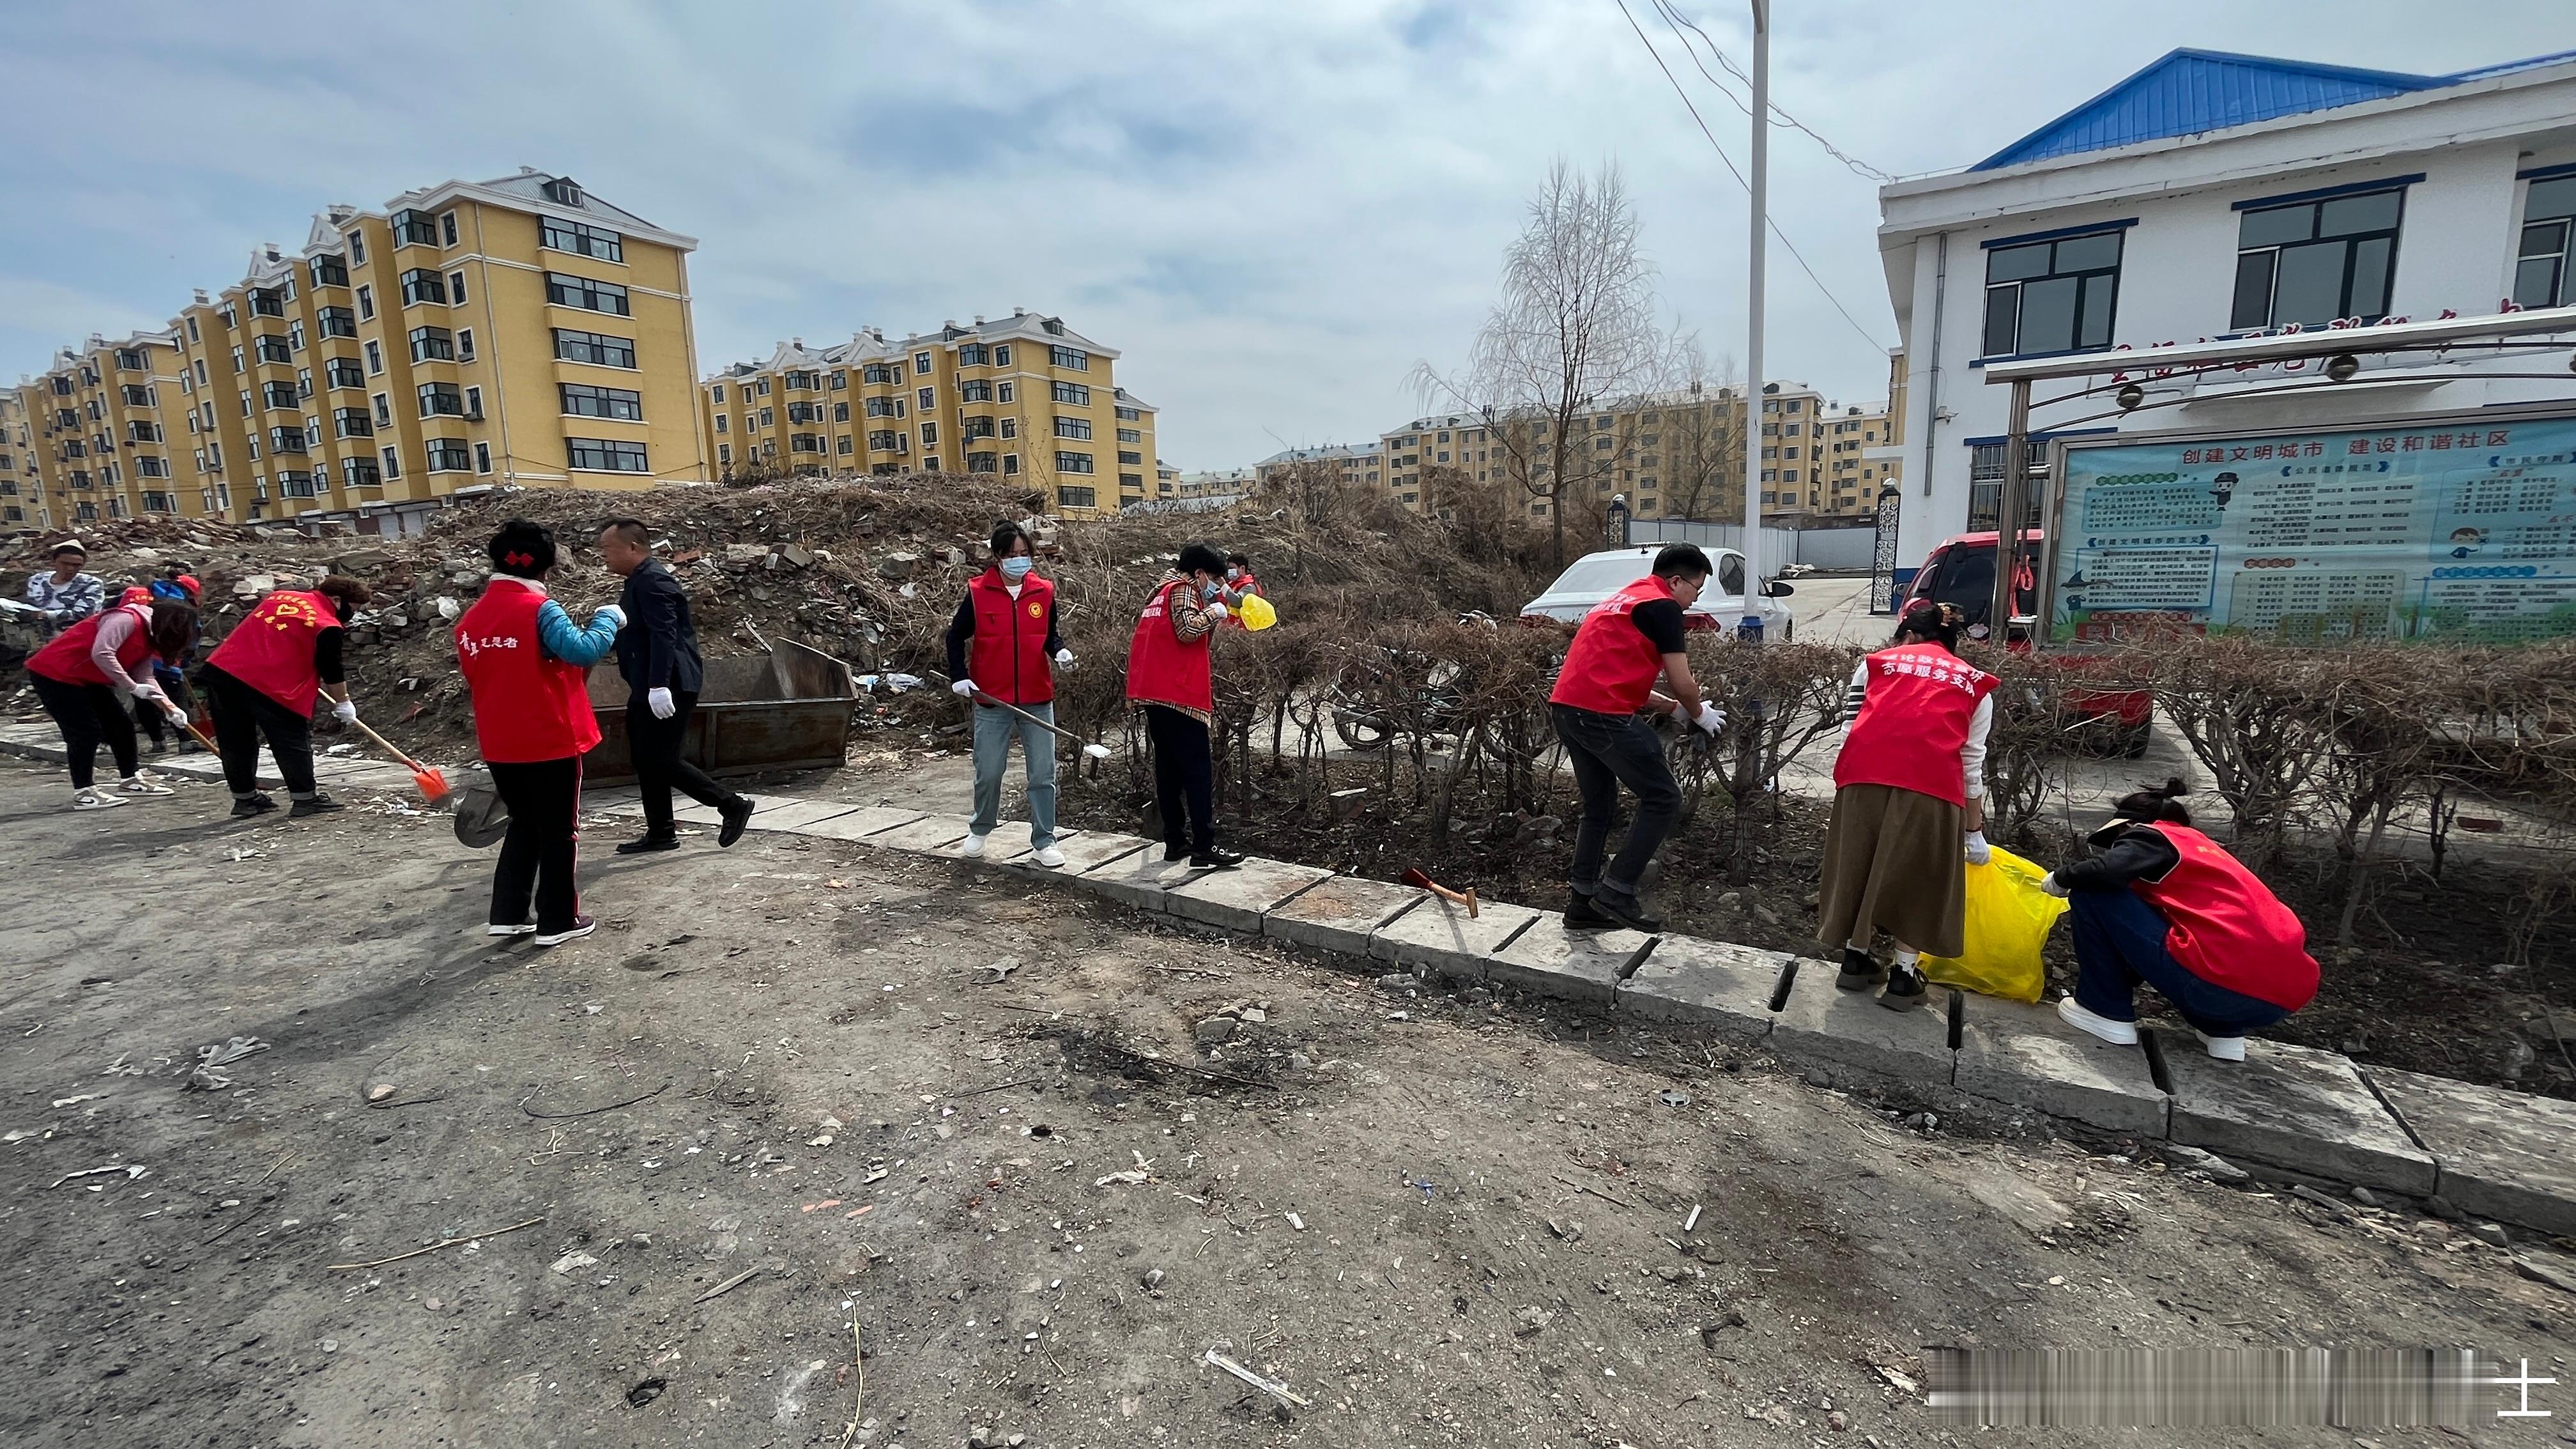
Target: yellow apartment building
(470, 334)
(22, 499)
(1852, 476)
(1021, 396)
(1360, 465)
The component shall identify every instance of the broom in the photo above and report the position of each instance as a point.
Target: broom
(430, 781)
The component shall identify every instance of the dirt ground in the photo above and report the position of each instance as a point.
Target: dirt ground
(1438, 1219)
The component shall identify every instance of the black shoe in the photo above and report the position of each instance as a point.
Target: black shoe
(1215, 859)
(313, 805)
(255, 805)
(1582, 915)
(1175, 852)
(1906, 989)
(736, 816)
(1861, 970)
(1627, 910)
(581, 926)
(649, 843)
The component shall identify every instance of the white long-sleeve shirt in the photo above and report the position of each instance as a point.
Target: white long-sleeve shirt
(1972, 755)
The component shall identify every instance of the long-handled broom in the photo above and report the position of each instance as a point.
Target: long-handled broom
(430, 781)
(1091, 751)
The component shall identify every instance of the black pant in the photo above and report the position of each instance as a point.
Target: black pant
(536, 856)
(654, 745)
(88, 714)
(243, 716)
(1183, 774)
(1607, 751)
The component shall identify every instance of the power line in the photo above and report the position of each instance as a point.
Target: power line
(1673, 17)
(1767, 218)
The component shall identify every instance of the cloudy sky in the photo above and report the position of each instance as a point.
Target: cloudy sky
(1275, 210)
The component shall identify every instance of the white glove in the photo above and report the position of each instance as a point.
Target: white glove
(2049, 884)
(345, 710)
(1710, 717)
(659, 701)
(151, 692)
(1064, 660)
(613, 612)
(963, 689)
(1978, 851)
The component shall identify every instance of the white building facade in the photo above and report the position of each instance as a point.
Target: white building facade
(2215, 196)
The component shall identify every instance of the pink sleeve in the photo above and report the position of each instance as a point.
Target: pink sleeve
(113, 631)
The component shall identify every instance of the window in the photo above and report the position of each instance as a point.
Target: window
(1066, 427)
(566, 290)
(1076, 497)
(447, 227)
(594, 347)
(975, 427)
(799, 380)
(351, 423)
(150, 467)
(136, 397)
(375, 359)
(339, 322)
(465, 344)
(843, 446)
(1073, 462)
(295, 483)
(875, 372)
(199, 367)
(2314, 262)
(278, 395)
(724, 451)
(384, 410)
(359, 473)
(358, 248)
(762, 386)
(1130, 435)
(1130, 458)
(983, 462)
(974, 354)
(366, 304)
(1071, 358)
(1137, 415)
(562, 189)
(286, 440)
(921, 363)
(840, 381)
(804, 412)
(2050, 296)
(329, 272)
(449, 455)
(295, 335)
(884, 407)
(716, 394)
(884, 440)
(588, 241)
(2548, 214)
(583, 400)
(840, 412)
(393, 463)
(1073, 394)
(766, 419)
(482, 457)
(273, 349)
(930, 435)
(601, 455)
(974, 392)
(1006, 392)
(456, 288)
(192, 331)
(267, 302)
(474, 402)
(722, 420)
(1002, 358)
(925, 400)
(432, 344)
(804, 442)
(1131, 482)
(441, 400)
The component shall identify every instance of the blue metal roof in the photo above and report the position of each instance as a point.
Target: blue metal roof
(2190, 91)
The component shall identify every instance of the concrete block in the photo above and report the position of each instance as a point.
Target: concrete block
(1339, 915)
(1549, 960)
(2293, 1107)
(865, 823)
(930, 835)
(2502, 1154)
(1237, 899)
(1083, 850)
(2027, 1055)
(1137, 878)
(1849, 1033)
(1704, 983)
(792, 816)
(1442, 938)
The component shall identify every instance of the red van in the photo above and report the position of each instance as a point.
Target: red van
(1961, 573)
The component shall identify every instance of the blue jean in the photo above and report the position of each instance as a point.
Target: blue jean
(994, 731)
(2120, 941)
(1608, 751)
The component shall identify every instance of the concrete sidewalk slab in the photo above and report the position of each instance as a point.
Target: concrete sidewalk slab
(864, 823)
(1714, 984)
(1849, 1032)
(1339, 915)
(2503, 1154)
(1083, 850)
(1237, 899)
(1440, 937)
(930, 835)
(793, 816)
(690, 812)
(2293, 1107)
(2023, 1054)
(1549, 960)
(1138, 878)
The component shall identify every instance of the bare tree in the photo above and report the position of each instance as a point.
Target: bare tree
(1698, 452)
(1573, 334)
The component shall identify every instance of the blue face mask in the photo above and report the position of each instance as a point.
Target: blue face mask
(1209, 592)
(1018, 568)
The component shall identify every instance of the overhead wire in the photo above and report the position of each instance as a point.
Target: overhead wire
(1674, 17)
(1731, 170)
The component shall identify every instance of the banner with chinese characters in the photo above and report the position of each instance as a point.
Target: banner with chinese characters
(2460, 529)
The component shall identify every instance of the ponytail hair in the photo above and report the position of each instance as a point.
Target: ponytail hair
(1932, 623)
(2155, 805)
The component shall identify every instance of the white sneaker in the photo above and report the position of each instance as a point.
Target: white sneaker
(95, 798)
(1048, 856)
(2117, 1033)
(142, 785)
(2223, 1048)
(973, 849)
(524, 930)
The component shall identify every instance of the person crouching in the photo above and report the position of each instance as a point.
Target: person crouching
(262, 682)
(85, 678)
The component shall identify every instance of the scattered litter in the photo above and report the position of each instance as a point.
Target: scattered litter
(730, 1284)
(379, 1092)
(1527, 1322)
(434, 1247)
(131, 1173)
(1671, 1098)
(1295, 1221)
(1141, 1172)
(1272, 1387)
(240, 853)
(819, 1206)
(83, 1097)
(570, 1261)
(1692, 1221)
(205, 1076)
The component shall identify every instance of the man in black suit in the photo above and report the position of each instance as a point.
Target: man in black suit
(657, 655)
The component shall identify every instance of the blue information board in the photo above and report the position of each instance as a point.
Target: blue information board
(2460, 529)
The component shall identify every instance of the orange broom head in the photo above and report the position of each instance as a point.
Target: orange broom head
(1415, 878)
(431, 782)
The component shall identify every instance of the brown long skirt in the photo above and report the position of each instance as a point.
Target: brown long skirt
(1895, 862)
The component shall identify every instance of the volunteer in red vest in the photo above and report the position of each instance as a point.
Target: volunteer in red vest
(1909, 805)
(1170, 677)
(2163, 904)
(85, 678)
(262, 681)
(1240, 584)
(529, 668)
(1003, 646)
(1621, 648)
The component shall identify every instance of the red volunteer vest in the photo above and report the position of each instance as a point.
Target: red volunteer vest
(1913, 722)
(527, 707)
(1240, 588)
(67, 658)
(2226, 927)
(1163, 670)
(1613, 665)
(1007, 656)
(272, 649)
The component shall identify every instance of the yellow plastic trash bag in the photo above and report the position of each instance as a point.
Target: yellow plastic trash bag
(2008, 921)
(1256, 612)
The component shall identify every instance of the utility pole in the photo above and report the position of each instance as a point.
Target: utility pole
(1759, 186)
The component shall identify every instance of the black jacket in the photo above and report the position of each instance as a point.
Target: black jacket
(658, 648)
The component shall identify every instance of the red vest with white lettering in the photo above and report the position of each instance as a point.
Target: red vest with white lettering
(67, 658)
(1613, 665)
(1007, 657)
(272, 649)
(527, 707)
(1160, 668)
(2225, 926)
(1913, 722)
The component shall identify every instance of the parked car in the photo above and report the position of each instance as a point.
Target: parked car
(1592, 579)
(1961, 572)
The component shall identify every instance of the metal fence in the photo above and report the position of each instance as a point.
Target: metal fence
(1830, 549)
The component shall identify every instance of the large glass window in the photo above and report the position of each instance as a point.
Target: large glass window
(588, 241)
(583, 400)
(594, 347)
(2312, 262)
(2548, 215)
(603, 455)
(420, 284)
(2052, 296)
(566, 290)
